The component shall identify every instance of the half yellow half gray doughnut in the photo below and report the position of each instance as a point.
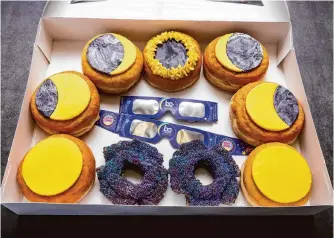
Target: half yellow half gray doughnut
(264, 112)
(112, 62)
(234, 60)
(66, 102)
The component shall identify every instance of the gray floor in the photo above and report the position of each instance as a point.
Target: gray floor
(313, 38)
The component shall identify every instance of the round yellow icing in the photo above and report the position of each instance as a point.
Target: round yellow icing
(52, 166)
(173, 73)
(281, 173)
(221, 54)
(73, 96)
(260, 107)
(130, 54)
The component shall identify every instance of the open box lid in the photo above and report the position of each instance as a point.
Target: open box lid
(215, 10)
(194, 10)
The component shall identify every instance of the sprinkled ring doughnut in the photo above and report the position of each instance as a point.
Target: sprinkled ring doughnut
(118, 189)
(224, 188)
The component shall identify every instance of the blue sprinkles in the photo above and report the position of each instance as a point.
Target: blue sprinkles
(118, 189)
(224, 188)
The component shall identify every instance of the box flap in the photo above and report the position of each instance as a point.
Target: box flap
(44, 40)
(271, 11)
(284, 46)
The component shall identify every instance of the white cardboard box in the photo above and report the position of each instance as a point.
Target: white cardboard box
(58, 47)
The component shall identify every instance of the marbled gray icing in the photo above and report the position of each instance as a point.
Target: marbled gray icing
(244, 51)
(46, 98)
(171, 54)
(105, 53)
(286, 105)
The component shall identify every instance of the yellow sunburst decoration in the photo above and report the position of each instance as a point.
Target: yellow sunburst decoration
(172, 73)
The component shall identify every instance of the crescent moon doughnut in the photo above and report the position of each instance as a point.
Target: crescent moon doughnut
(111, 53)
(112, 62)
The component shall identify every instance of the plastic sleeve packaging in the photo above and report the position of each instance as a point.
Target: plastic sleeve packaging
(152, 131)
(182, 109)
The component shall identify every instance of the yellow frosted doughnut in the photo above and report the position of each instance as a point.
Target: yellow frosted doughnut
(52, 166)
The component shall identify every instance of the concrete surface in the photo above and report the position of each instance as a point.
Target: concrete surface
(313, 38)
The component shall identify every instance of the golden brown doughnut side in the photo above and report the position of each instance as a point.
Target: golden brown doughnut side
(253, 195)
(170, 85)
(219, 72)
(247, 130)
(76, 126)
(113, 84)
(77, 133)
(248, 198)
(248, 139)
(222, 84)
(78, 190)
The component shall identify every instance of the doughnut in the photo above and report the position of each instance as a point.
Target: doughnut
(118, 189)
(264, 112)
(58, 169)
(276, 175)
(172, 61)
(224, 188)
(66, 102)
(112, 62)
(234, 60)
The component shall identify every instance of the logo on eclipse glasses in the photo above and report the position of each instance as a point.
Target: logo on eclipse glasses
(227, 144)
(166, 130)
(169, 104)
(108, 120)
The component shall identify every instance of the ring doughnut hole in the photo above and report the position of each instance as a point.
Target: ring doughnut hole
(203, 172)
(132, 172)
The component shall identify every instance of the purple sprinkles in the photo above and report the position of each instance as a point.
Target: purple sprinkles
(224, 188)
(118, 189)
